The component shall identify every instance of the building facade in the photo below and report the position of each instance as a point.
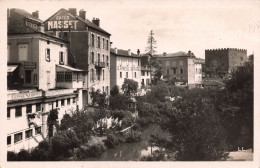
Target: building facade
(145, 75)
(124, 64)
(221, 62)
(89, 47)
(181, 67)
(39, 80)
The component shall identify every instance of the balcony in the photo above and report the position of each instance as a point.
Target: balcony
(99, 64)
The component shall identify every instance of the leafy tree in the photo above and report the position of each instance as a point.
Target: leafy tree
(160, 91)
(98, 99)
(129, 87)
(52, 121)
(119, 102)
(114, 91)
(195, 130)
(62, 142)
(81, 123)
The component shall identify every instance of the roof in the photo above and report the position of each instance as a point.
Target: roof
(177, 54)
(70, 68)
(123, 53)
(26, 14)
(87, 22)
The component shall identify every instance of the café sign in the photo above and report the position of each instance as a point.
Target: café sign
(126, 68)
(62, 22)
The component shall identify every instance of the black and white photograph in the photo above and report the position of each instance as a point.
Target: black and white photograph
(140, 81)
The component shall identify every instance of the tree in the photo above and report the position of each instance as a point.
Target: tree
(159, 91)
(98, 99)
(129, 87)
(119, 102)
(80, 122)
(151, 44)
(114, 90)
(52, 121)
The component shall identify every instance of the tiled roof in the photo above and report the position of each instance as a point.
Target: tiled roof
(177, 54)
(121, 52)
(26, 14)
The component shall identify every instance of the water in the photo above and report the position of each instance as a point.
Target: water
(130, 151)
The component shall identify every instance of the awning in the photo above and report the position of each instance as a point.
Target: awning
(70, 68)
(11, 68)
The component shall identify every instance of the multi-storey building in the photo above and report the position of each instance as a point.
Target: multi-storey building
(145, 75)
(124, 64)
(181, 66)
(39, 80)
(221, 62)
(89, 45)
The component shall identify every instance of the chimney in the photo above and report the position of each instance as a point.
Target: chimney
(138, 52)
(189, 53)
(116, 50)
(164, 54)
(96, 21)
(82, 14)
(73, 11)
(36, 14)
(129, 52)
(111, 44)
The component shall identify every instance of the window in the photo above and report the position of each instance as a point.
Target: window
(57, 103)
(98, 57)
(28, 108)
(107, 45)
(18, 111)
(38, 130)
(61, 57)
(8, 52)
(93, 58)
(62, 102)
(48, 55)
(28, 133)
(98, 74)
(103, 88)
(126, 75)
(173, 63)
(103, 58)
(147, 73)
(8, 112)
(103, 43)
(50, 105)
(167, 63)
(174, 70)
(135, 74)
(143, 73)
(38, 106)
(35, 79)
(138, 62)
(23, 52)
(48, 77)
(107, 61)
(18, 137)
(93, 40)
(181, 63)
(68, 101)
(74, 100)
(98, 42)
(103, 73)
(181, 71)
(28, 76)
(92, 74)
(9, 139)
(107, 89)
(120, 74)
(142, 81)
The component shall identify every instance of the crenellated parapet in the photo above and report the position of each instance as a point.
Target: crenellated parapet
(225, 49)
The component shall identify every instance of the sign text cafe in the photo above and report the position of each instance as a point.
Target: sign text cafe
(63, 22)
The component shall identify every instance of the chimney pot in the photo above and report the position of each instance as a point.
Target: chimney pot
(164, 54)
(96, 21)
(138, 52)
(36, 14)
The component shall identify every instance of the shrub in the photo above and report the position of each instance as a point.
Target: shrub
(133, 137)
(155, 156)
(111, 141)
(11, 156)
(95, 150)
(23, 155)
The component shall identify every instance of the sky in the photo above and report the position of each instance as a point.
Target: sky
(184, 25)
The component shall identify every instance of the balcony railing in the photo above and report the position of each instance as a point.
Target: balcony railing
(99, 64)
